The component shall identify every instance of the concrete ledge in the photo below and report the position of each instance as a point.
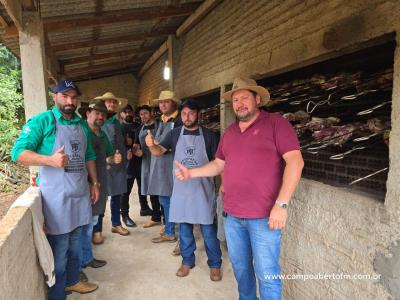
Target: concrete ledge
(21, 276)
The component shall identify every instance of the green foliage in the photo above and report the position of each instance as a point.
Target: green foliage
(11, 101)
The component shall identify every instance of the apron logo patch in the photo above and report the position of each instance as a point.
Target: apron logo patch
(75, 145)
(189, 151)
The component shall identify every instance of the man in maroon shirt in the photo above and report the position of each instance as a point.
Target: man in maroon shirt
(260, 157)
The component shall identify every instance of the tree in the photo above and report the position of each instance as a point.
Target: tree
(11, 101)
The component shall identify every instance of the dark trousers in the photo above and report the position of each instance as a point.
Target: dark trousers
(125, 197)
(155, 205)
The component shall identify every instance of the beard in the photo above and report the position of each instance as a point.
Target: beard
(99, 123)
(190, 124)
(246, 116)
(68, 109)
(129, 119)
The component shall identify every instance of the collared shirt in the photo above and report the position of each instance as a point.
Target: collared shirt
(109, 148)
(166, 119)
(254, 165)
(39, 134)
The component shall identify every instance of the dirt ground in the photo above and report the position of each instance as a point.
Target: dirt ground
(6, 199)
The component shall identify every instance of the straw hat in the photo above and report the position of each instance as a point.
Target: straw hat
(248, 84)
(121, 101)
(167, 95)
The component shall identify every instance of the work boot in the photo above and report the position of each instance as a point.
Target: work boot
(95, 263)
(82, 288)
(146, 212)
(215, 274)
(184, 270)
(177, 250)
(83, 277)
(97, 238)
(120, 230)
(164, 239)
(151, 223)
(128, 221)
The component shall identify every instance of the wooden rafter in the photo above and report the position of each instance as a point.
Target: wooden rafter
(101, 74)
(13, 8)
(113, 40)
(156, 55)
(121, 54)
(88, 20)
(121, 64)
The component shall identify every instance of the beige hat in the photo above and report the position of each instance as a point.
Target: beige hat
(248, 84)
(167, 95)
(121, 101)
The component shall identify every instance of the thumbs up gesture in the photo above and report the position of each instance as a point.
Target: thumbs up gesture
(117, 157)
(149, 139)
(59, 159)
(182, 173)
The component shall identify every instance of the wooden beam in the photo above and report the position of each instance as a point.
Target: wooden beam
(28, 5)
(53, 66)
(89, 20)
(97, 75)
(112, 65)
(3, 22)
(117, 39)
(121, 54)
(13, 8)
(156, 55)
(197, 16)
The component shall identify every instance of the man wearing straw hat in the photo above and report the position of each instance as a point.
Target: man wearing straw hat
(259, 155)
(117, 172)
(160, 178)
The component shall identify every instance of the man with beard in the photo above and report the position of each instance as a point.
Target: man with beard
(96, 114)
(140, 149)
(133, 169)
(259, 155)
(193, 202)
(59, 142)
(160, 177)
(116, 173)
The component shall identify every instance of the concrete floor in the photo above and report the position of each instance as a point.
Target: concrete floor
(139, 269)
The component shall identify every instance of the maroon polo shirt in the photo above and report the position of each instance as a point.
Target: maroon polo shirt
(254, 165)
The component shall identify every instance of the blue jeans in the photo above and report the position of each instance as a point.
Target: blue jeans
(169, 226)
(86, 253)
(115, 205)
(99, 225)
(187, 244)
(254, 251)
(65, 249)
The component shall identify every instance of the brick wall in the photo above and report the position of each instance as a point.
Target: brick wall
(152, 82)
(329, 230)
(124, 86)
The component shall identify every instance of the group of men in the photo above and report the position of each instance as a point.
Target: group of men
(174, 160)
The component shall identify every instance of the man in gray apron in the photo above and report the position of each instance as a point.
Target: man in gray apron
(193, 202)
(96, 114)
(59, 142)
(160, 178)
(140, 149)
(116, 173)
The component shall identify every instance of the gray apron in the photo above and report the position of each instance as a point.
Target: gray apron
(146, 159)
(160, 178)
(99, 147)
(192, 201)
(65, 191)
(117, 172)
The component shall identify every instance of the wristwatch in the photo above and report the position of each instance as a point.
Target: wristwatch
(282, 204)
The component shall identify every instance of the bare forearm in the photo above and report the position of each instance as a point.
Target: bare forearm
(213, 168)
(291, 178)
(91, 168)
(30, 158)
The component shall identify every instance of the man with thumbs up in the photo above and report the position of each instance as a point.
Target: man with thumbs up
(59, 142)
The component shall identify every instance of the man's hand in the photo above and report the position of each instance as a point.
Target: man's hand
(59, 159)
(182, 173)
(117, 157)
(94, 193)
(129, 154)
(149, 139)
(277, 218)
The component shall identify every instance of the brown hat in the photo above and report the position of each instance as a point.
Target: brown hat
(98, 105)
(167, 95)
(248, 84)
(121, 101)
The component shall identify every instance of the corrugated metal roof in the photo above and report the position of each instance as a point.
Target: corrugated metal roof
(93, 30)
